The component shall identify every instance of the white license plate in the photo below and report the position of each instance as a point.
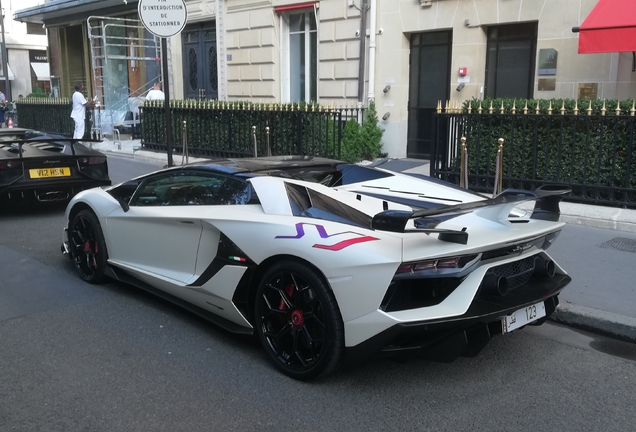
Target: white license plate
(522, 317)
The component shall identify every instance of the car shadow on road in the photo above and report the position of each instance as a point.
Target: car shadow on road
(31, 208)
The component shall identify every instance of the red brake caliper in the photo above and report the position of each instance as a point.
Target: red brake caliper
(87, 250)
(297, 318)
(289, 289)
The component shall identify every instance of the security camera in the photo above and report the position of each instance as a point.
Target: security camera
(387, 88)
(460, 86)
(386, 115)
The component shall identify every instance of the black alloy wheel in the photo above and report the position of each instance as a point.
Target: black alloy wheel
(87, 247)
(298, 321)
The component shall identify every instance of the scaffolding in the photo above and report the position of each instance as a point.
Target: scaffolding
(126, 62)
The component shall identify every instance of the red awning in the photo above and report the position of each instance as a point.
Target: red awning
(610, 27)
(296, 6)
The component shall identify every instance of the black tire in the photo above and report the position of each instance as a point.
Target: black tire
(298, 321)
(87, 247)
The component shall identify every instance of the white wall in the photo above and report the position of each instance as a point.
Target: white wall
(18, 45)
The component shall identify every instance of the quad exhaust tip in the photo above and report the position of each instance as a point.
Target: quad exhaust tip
(495, 285)
(544, 268)
(498, 285)
(53, 196)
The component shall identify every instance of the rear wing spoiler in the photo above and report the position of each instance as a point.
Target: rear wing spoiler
(547, 199)
(36, 140)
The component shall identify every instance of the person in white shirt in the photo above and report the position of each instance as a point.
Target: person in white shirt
(79, 110)
(3, 101)
(156, 93)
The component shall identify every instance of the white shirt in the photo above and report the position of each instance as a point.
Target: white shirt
(79, 110)
(155, 95)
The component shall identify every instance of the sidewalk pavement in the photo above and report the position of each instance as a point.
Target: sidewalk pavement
(621, 325)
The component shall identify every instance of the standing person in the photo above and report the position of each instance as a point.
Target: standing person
(79, 110)
(156, 93)
(3, 101)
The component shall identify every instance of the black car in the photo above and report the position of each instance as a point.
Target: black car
(40, 167)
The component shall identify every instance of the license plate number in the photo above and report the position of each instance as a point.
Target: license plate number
(49, 172)
(523, 316)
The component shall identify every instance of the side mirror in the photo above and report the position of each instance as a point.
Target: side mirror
(124, 192)
(124, 205)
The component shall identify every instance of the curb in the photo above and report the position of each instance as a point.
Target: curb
(596, 321)
(161, 157)
(599, 217)
(147, 155)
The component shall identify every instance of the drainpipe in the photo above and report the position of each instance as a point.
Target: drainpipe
(363, 50)
(5, 61)
(372, 26)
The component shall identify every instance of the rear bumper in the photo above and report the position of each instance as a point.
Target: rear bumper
(48, 191)
(465, 335)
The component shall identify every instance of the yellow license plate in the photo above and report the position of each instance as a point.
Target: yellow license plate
(49, 172)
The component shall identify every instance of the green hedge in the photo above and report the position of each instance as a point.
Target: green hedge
(47, 115)
(555, 145)
(215, 128)
(362, 142)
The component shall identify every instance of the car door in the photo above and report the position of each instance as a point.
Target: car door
(160, 233)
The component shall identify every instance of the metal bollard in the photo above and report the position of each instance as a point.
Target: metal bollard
(269, 150)
(186, 152)
(463, 170)
(499, 169)
(255, 145)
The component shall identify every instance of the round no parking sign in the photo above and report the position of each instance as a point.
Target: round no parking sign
(163, 18)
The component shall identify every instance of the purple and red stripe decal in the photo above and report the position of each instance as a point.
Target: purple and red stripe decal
(322, 232)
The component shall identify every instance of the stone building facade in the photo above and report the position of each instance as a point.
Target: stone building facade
(415, 53)
(425, 51)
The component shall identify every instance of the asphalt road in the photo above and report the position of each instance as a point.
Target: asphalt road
(79, 357)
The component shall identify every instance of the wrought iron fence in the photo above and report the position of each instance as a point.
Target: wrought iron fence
(225, 129)
(50, 115)
(593, 155)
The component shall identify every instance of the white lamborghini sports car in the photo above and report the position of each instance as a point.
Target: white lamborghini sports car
(326, 262)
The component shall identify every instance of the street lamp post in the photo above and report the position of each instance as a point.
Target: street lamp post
(5, 68)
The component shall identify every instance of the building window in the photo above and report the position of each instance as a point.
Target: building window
(35, 29)
(510, 60)
(300, 56)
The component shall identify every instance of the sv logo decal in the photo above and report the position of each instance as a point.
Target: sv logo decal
(300, 232)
